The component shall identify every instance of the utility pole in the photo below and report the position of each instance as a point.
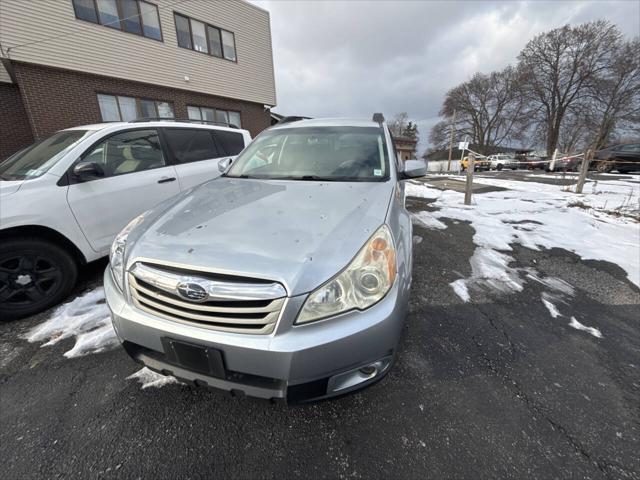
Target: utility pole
(453, 123)
(584, 168)
(471, 165)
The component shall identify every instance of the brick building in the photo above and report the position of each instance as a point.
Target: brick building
(406, 147)
(116, 60)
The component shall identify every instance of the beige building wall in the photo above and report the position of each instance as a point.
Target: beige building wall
(57, 39)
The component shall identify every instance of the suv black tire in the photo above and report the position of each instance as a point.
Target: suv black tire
(34, 275)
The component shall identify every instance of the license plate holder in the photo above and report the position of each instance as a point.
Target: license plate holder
(196, 358)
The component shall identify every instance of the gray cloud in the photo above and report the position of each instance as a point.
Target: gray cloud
(352, 58)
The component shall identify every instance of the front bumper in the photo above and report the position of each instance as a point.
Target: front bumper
(294, 363)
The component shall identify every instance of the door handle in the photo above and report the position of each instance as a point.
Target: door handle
(167, 179)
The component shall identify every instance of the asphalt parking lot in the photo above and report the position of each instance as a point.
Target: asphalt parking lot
(491, 388)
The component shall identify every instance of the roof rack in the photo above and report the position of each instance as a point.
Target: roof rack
(164, 119)
(292, 119)
(378, 118)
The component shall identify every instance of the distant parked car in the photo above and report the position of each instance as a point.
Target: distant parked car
(479, 164)
(623, 158)
(502, 160)
(565, 164)
(64, 199)
(533, 162)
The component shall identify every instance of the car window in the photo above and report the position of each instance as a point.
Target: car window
(229, 143)
(190, 144)
(629, 148)
(327, 153)
(128, 152)
(33, 161)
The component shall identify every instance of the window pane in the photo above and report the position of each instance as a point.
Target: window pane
(150, 20)
(229, 45)
(129, 152)
(207, 114)
(190, 145)
(193, 113)
(234, 119)
(148, 109)
(108, 12)
(221, 116)
(131, 16)
(182, 29)
(85, 10)
(199, 37)
(165, 109)
(108, 108)
(128, 108)
(215, 46)
(231, 143)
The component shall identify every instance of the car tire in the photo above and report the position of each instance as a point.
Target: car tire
(603, 167)
(34, 275)
(499, 167)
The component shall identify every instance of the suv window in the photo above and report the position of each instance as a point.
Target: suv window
(230, 143)
(190, 144)
(128, 152)
(629, 148)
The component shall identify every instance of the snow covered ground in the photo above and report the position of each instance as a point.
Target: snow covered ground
(600, 224)
(86, 318)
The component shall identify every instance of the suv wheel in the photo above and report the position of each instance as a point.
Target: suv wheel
(604, 167)
(34, 275)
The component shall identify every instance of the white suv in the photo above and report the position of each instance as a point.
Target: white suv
(502, 160)
(64, 199)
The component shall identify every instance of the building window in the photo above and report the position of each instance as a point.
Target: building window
(205, 38)
(214, 115)
(134, 16)
(116, 108)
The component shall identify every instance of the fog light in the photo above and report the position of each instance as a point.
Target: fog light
(351, 378)
(368, 370)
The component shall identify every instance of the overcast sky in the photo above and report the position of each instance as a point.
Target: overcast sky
(353, 58)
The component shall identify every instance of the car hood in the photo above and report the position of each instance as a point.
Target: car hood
(7, 187)
(300, 233)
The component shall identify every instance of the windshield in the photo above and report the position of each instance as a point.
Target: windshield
(33, 161)
(315, 153)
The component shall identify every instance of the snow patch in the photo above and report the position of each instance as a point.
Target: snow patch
(538, 216)
(429, 221)
(149, 378)
(460, 288)
(578, 326)
(553, 310)
(86, 318)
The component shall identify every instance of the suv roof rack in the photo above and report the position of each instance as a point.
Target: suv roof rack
(292, 119)
(378, 118)
(164, 119)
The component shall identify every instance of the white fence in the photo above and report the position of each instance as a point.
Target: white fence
(441, 165)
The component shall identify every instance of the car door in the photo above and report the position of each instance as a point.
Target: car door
(194, 153)
(136, 177)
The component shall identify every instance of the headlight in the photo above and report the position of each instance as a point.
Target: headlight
(364, 282)
(116, 256)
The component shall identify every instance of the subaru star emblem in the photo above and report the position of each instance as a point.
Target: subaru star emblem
(192, 291)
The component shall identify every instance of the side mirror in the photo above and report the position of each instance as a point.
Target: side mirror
(88, 171)
(413, 169)
(224, 164)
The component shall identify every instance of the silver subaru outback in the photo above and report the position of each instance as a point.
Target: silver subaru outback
(287, 277)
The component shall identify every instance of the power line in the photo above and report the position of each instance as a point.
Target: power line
(83, 28)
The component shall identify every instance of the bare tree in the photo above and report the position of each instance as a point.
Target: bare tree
(560, 66)
(489, 110)
(615, 94)
(398, 125)
(440, 135)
